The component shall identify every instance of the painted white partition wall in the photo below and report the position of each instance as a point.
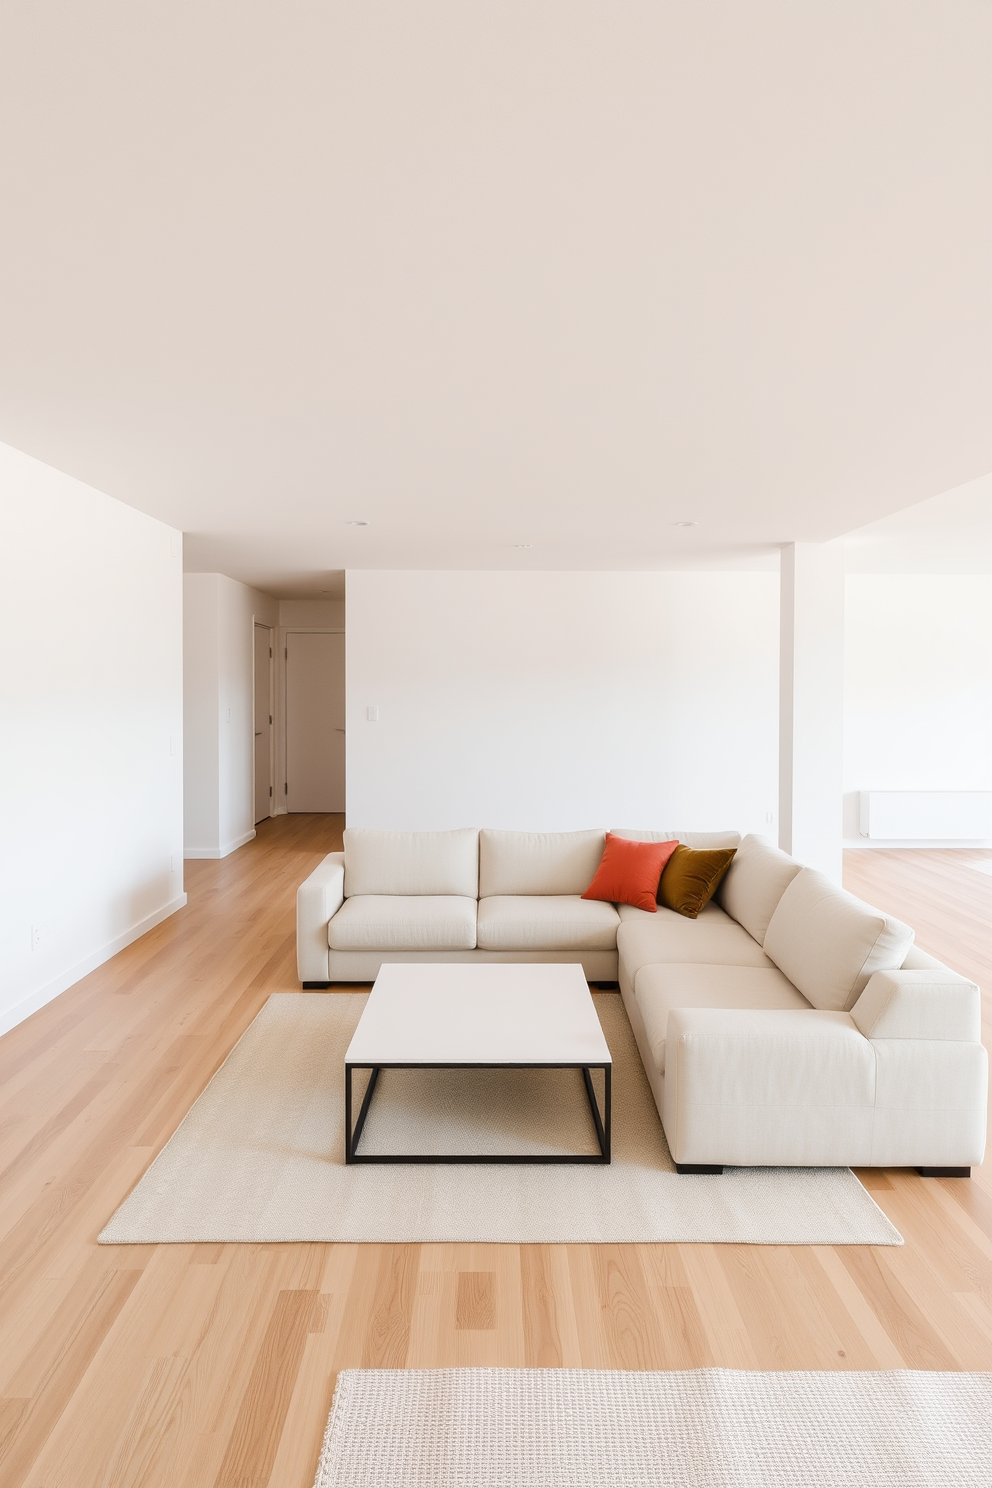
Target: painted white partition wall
(92, 762)
(562, 700)
(218, 684)
(811, 706)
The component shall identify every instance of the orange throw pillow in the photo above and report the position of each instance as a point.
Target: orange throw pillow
(629, 872)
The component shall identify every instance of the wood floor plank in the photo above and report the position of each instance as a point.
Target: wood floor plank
(475, 1307)
(258, 1425)
(158, 1436)
(631, 1327)
(162, 1365)
(298, 1452)
(919, 1346)
(387, 1338)
(882, 1350)
(549, 1328)
(52, 1371)
(728, 1342)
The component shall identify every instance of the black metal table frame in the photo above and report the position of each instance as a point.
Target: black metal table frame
(601, 1120)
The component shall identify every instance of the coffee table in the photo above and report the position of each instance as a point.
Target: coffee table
(478, 1016)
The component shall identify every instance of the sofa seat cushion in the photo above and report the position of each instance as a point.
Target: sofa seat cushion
(404, 922)
(713, 938)
(546, 922)
(659, 989)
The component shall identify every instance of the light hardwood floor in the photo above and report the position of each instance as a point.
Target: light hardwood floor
(215, 1364)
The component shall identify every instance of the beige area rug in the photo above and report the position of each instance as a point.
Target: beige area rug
(260, 1156)
(701, 1428)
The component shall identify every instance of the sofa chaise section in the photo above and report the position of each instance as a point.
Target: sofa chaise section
(849, 1047)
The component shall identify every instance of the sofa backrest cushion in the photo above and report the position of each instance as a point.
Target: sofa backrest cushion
(828, 943)
(411, 862)
(538, 862)
(754, 884)
(701, 841)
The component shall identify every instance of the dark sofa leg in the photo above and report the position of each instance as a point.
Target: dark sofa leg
(314, 986)
(944, 1172)
(697, 1168)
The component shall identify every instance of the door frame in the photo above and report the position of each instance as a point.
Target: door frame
(256, 626)
(283, 632)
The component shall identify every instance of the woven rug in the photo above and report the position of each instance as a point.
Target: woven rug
(701, 1428)
(259, 1157)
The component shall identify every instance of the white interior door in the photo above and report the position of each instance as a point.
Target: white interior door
(314, 721)
(263, 722)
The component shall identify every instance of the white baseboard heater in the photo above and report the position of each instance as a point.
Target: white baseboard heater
(921, 816)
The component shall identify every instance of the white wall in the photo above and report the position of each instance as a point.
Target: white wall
(91, 599)
(218, 641)
(918, 687)
(311, 614)
(563, 700)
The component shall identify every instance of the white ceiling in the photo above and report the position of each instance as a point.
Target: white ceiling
(559, 274)
(950, 533)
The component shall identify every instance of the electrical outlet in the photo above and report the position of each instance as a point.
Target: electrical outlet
(39, 935)
(372, 714)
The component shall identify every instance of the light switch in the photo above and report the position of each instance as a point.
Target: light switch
(372, 714)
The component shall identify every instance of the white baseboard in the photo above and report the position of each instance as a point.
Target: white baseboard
(862, 844)
(12, 1016)
(218, 852)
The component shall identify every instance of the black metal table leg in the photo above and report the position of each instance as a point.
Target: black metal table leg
(352, 1139)
(603, 1132)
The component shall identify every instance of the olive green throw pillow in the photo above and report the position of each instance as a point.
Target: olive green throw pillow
(691, 876)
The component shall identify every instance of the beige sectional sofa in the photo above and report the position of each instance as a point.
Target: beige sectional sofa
(885, 1067)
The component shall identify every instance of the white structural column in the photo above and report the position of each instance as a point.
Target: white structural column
(811, 705)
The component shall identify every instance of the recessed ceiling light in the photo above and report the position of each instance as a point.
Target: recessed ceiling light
(356, 524)
(683, 524)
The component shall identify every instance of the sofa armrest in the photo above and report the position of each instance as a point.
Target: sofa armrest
(927, 1004)
(318, 898)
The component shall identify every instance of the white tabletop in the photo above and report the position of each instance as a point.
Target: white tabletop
(429, 1013)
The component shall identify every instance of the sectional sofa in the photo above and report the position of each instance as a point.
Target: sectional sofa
(884, 1067)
